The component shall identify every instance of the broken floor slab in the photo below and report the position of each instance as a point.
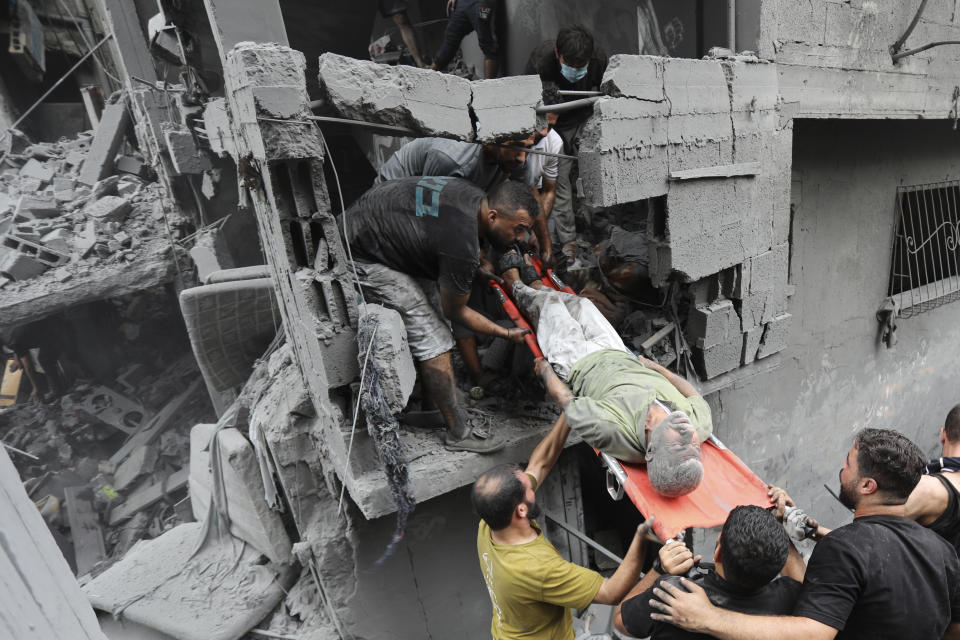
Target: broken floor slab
(219, 593)
(505, 108)
(430, 102)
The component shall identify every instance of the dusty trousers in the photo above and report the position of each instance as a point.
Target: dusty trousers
(568, 327)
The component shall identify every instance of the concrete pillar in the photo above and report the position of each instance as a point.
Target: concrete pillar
(234, 21)
(129, 41)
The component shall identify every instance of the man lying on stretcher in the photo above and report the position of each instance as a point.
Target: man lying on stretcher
(612, 396)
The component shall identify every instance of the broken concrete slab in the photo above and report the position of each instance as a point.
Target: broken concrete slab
(140, 463)
(135, 166)
(84, 528)
(751, 342)
(430, 102)
(108, 209)
(187, 158)
(98, 163)
(639, 77)
(57, 240)
(391, 356)
(37, 207)
(38, 171)
(216, 122)
(505, 108)
(251, 519)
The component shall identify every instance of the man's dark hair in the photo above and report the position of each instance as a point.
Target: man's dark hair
(512, 195)
(496, 494)
(890, 458)
(753, 547)
(575, 45)
(952, 424)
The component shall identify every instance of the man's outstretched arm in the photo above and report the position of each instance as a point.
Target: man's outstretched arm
(693, 611)
(545, 455)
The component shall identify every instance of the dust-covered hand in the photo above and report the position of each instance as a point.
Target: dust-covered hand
(779, 498)
(676, 559)
(516, 334)
(690, 609)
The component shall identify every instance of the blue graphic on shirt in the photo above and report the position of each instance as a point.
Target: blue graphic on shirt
(434, 185)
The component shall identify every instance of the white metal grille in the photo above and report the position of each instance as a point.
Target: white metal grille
(925, 272)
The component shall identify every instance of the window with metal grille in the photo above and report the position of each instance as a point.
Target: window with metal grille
(925, 272)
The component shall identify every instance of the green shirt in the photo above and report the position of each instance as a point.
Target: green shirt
(614, 390)
(532, 588)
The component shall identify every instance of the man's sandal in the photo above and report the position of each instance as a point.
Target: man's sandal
(477, 441)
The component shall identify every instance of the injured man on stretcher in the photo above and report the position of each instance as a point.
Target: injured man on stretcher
(615, 400)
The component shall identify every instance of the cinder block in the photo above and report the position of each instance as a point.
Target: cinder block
(135, 166)
(697, 128)
(251, 519)
(430, 102)
(720, 358)
(61, 183)
(18, 266)
(638, 77)
(751, 342)
(391, 355)
(770, 270)
(754, 86)
(108, 209)
(106, 142)
(184, 154)
(714, 324)
(695, 86)
(57, 240)
(776, 335)
(505, 108)
(38, 171)
(37, 207)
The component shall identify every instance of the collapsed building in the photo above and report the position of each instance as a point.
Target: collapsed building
(777, 217)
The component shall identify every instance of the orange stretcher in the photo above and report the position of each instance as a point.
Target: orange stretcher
(727, 481)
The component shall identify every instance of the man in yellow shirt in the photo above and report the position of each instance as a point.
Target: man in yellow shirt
(532, 588)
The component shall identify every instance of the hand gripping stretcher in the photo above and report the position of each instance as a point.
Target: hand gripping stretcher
(727, 481)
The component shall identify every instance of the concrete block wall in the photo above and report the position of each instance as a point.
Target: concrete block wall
(299, 236)
(710, 136)
(834, 57)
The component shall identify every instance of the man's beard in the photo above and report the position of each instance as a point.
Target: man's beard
(845, 498)
(533, 510)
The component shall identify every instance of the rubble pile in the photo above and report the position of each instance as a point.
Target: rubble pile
(54, 225)
(108, 464)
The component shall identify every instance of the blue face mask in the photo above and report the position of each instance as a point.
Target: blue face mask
(573, 74)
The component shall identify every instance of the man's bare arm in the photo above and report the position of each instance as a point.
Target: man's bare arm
(682, 385)
(555, 387)
(795, 567)
(645, 583)
(455, 307)
(693, 611)
(545, 455)
(952, 632)
(927, 501)
(616, 586)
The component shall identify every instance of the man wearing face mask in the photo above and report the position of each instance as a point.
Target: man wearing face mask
(572, 62)
(428, 228)
(531, 587)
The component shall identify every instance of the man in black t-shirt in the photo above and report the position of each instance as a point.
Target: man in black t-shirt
(751, 551)
(429, 229)
(935, 503)
(882, 576)
(571, 63)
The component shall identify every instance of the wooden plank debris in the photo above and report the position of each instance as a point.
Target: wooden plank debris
(150, 431)
(146, 496)
(84, 528)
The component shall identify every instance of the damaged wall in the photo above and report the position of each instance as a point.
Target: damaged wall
(709, 136)
(834, 57)
(794, 424)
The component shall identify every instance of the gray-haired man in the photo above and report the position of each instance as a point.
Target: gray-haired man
(615, 400)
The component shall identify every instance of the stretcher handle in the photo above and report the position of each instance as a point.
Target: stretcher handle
(514, 314)
(549, 278)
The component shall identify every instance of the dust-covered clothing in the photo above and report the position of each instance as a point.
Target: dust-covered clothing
(613, 391)
(568, 327)
(540, 167)
(948, 524)
(428, 334)
(882, 577)
(776, 598)
(423, 227)
(532, 588)
(442, 157)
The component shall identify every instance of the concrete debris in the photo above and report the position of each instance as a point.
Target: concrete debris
(35, 207)
(18, 266)
(108, 209)
(504, 108)
(36, 170)
(99, 162)
(430, 102)
(186, 157)
(391, 355)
